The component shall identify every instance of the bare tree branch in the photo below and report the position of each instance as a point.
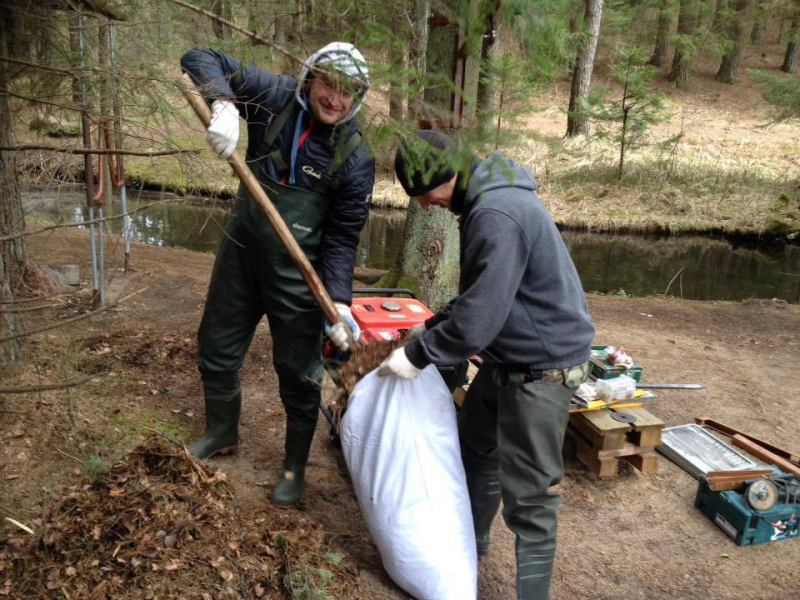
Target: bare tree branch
(23, 147)
(28, 308)
(252, 35)
(71, 106)
(48, 386)
(82, 317)
(25, 63)
(37, 298)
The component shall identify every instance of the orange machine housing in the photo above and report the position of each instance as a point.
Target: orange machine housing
(384, 318)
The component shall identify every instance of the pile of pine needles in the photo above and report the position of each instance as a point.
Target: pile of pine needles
(158, 524)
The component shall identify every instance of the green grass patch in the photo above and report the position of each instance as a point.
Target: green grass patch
(133, 425)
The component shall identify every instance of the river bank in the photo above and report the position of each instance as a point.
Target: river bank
(634, 536)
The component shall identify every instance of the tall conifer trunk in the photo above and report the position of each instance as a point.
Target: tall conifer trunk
(659, 56)
(682, 61)
(790, 58)
(738, 30)
(12, 253)
(577, 117)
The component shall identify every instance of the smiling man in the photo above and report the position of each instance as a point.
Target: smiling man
(306, 151)
(522, 309)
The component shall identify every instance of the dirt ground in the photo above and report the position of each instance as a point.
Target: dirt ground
(633, 536)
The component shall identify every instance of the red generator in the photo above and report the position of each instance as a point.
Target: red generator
(384, 316)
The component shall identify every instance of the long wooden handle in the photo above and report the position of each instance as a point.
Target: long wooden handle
(765, 455)
(258, 194)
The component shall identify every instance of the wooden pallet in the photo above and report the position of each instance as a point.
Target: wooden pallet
(601, 441)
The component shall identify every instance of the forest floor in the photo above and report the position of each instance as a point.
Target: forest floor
(632, 536)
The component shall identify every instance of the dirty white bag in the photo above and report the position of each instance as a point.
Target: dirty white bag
(400, 443)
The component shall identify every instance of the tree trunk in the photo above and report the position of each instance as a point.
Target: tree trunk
(254, 20)
(218, 8)
(577, 116)
(417, 55)
(104, 60)
(790, 58)
(720, 19)
(429, 261)
(728, 68)
(659, 56)
(440, 62)
(486, 84)
(12, 220)
(74, 60)
(760, 24)
(397, 59)
(682, 61)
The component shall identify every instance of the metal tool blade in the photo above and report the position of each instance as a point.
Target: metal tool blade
(623, 417)
(670, 386)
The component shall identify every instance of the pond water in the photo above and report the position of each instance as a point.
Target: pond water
(692, 267)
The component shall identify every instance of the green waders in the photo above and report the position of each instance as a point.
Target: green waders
(511, 430)
(254, 276)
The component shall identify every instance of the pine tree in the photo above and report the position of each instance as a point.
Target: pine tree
(626, 119)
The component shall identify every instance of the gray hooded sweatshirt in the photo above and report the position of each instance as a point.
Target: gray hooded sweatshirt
(521, 302)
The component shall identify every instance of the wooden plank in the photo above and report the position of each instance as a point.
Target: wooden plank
(598, 441)
(647, 462)
(765, 455)
(628, 449)
(730, 480)
(793, 457)
(459, 393)
(602, 467)
(644, 418)
(601, 422)
(646, 430)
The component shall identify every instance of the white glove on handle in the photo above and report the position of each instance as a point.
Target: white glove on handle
(398, 365)
(416, 331)
(338, 333)
(223, 131)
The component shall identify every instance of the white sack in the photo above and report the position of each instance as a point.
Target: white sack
(400, 442)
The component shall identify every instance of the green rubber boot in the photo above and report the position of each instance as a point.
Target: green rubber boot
(222, 428)
(290, 487)
(484, 495)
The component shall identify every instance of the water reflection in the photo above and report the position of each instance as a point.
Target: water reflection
(693, 267)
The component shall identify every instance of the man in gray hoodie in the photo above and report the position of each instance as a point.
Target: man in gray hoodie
(521, 309)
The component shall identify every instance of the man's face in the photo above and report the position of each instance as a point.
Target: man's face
(441, 196)
(329, 99)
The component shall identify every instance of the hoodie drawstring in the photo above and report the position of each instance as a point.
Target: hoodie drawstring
(298, 141)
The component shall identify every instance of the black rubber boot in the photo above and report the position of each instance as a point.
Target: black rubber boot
(222, 428)
(484, 495)
(290, 487)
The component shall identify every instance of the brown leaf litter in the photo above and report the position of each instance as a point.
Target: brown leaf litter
(159, 524)
(363, 359)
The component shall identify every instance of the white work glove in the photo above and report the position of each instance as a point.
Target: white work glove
(338, 333)
(416, 331)
(223, 131)
(398, 365)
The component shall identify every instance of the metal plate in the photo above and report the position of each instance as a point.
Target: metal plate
(697, 451)
(623, 417)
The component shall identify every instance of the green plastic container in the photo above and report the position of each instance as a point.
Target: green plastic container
(602, 368)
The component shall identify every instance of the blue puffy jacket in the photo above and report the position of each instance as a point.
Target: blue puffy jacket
(258, 95)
